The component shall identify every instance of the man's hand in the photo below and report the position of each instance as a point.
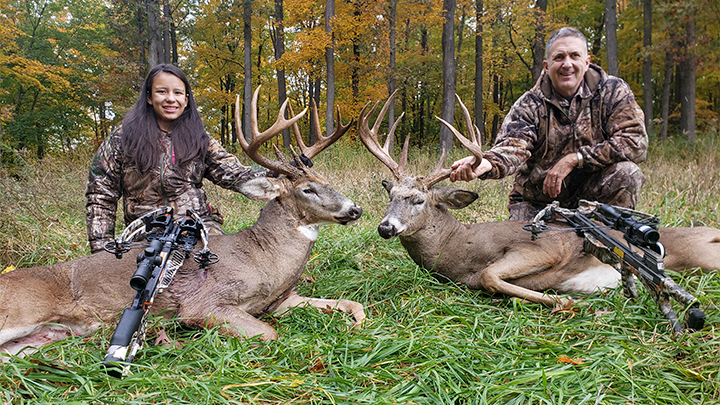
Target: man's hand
(463, 170)
(554, 179)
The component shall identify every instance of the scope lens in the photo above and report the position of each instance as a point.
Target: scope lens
(646, 233)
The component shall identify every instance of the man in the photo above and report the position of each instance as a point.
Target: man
(577, 134)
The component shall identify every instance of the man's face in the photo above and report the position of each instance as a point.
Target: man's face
(567, 65)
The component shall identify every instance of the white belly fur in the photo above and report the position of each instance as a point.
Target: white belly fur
(591, 280)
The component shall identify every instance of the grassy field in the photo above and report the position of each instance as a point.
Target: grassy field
(424, 342)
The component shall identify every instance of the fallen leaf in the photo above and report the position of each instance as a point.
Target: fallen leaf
(565, 306)
(317, 366)
(567, 359)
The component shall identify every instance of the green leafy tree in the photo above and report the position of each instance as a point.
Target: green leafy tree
(53, 80)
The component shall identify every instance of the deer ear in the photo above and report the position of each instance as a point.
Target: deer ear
(454, 198)
(388, 185)
(260, 189)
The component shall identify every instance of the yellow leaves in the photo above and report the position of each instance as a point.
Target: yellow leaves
(304, 12)
(307, 46)
(7, 269)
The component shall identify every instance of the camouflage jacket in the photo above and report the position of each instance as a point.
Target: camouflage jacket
(602, 121)
(111, 176)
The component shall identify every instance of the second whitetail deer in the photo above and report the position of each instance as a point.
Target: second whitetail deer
(501, 257)
(256, 275)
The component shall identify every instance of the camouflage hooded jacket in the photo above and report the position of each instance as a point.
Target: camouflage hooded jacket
(111, 176)
(602, 121)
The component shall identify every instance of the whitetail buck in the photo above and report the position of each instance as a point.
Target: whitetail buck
(501, 257)
(256, 275)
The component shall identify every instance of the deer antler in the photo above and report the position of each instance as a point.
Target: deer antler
(322, 141)
(438, 174)
(370, 138)
(473, 144)
(258, 138)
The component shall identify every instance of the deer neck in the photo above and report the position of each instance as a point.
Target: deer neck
(281, 218)
(435, 238)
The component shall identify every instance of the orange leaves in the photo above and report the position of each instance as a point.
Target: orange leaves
(567, 359)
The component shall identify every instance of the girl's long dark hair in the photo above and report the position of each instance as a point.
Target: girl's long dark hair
(141, 134)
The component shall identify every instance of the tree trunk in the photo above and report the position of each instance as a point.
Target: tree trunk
(247, 51)
(391, 73)
(687, 75)
(155, 48)
(330, 62)
(647, 66)
(448, 48)
(479, 113)
(355, 75)
(167, 18)
(173, 44)
(539, 42)
(318, 85)
(144, 45)
(460, 31)
(279, 47)
(496, 116)
(611, 34)
(665, 103)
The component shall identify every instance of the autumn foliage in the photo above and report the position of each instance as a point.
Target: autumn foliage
(69, 70)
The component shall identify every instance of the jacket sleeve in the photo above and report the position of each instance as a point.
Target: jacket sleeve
(515, 141)
(103, 192)
(225, 170)
(624, 128)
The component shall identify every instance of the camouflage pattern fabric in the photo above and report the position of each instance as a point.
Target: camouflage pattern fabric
(602, 121)
(111, 177)
(618, 184)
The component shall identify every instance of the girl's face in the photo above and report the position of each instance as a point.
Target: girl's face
(168, 99)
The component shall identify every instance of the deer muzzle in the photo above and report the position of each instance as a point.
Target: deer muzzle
(352, 214)
(387, 230)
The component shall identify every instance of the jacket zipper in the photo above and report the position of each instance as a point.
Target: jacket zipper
(162, 172)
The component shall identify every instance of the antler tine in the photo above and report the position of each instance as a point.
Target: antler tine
(406, 144)
(381, 117)
(439, 173)
(474, 145)
(370, 138)
(475, 136)
(258, 138)
(296, 131)
(322, 142)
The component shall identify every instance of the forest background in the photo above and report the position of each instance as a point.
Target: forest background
(70, 70)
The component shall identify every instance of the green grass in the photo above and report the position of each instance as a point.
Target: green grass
(424, 342)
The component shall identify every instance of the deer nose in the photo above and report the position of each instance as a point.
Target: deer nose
(352, 214)
(355, 212)
(387, 230)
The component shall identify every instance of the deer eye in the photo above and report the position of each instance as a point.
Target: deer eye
(310, 191)
(416, 199)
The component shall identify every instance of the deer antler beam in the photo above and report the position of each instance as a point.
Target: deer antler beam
(370, 137)
(258, 138)
(473, 144)
(322, 141)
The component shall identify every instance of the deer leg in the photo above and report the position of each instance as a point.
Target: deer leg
(233, 321)
(350, 307)
(511, 266)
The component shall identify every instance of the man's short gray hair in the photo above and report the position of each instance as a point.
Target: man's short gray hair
(561, 33)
